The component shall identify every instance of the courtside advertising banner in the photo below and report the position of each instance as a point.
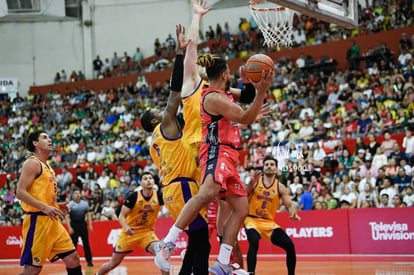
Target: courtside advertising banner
(382, 230)
(341, 231)
(318, 231)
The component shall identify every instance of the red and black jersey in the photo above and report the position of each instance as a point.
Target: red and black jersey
(217, 130)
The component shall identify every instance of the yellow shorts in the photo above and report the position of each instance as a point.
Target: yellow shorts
(262, 226)
(192, 118)
(142, 238)
(175, 196)
(44, 239)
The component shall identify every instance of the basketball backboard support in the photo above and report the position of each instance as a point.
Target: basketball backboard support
(343, 13)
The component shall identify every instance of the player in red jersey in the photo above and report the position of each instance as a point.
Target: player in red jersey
(219, 156)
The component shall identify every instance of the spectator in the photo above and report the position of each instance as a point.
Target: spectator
(331, 202)
(115, 61)
(65, 178)
(397, 154)
(97, 67)
(108, 212)
(380, 159)
(171, 43)
(409, 196)
(402, 180)
(405, 43)
(138, 56)
(368, 179)
(364, 125)
(388, 144)
(384, 203)
(63, 76)
(397, 201)
(318, 156)
(306, 199)
(346, 159)
(349, 197)
(368, 195)
(408, 145)
(388, 189)
(373, 145)
(352, 55)
(295, 185)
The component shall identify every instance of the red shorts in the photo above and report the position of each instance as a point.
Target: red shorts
(221, 162)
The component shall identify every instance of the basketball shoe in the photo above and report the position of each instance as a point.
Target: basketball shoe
(238, 270)
(162, 255)
(220, 269)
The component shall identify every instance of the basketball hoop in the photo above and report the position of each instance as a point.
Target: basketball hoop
(274, 21)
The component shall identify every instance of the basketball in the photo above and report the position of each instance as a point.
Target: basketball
(256, 64)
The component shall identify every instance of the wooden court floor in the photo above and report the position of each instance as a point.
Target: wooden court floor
(269, 265)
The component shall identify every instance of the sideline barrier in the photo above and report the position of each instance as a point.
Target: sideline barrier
(341, 231)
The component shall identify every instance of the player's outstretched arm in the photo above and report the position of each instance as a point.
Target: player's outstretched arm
(191, 75)
(171, 128)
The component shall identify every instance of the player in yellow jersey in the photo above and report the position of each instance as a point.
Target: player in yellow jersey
(175, 156)
(43, 235)
(265, 193)
(138, 217)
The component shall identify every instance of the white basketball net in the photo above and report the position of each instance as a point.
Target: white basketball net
(275, 22)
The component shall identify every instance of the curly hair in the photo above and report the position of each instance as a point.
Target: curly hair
(214, 64)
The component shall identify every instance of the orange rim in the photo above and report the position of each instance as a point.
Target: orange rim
(252, 2)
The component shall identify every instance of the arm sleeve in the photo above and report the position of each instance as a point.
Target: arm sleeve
(131, 200)
(177, 75)
(247, 94)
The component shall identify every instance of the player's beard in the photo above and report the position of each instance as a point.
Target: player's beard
(228, 84)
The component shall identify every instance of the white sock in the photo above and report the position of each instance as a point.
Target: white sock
(173, 234)
(225, 253)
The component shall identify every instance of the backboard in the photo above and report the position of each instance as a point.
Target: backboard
(344, 13)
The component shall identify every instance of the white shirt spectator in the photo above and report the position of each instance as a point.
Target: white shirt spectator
(118, 144)
(348, 197)
(103, 181)
(305, 131)
(102, 97)
(105, 127)
(319, 154)
(299, 37)
(409, 199)
(74, 147)
(91, 156)
(404, 58)
(408, 144)
(379, 160)
(364, 181)
(282, 135)
(64, 178)
(391, 192)
(304, 111)
(294, 186)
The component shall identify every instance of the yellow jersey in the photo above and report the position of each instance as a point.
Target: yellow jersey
(43, 188)
(144, 210)
(191, 114)
(264, 202)
(175, 158)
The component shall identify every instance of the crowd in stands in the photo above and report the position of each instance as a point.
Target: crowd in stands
(102, 127)
(381, 16)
